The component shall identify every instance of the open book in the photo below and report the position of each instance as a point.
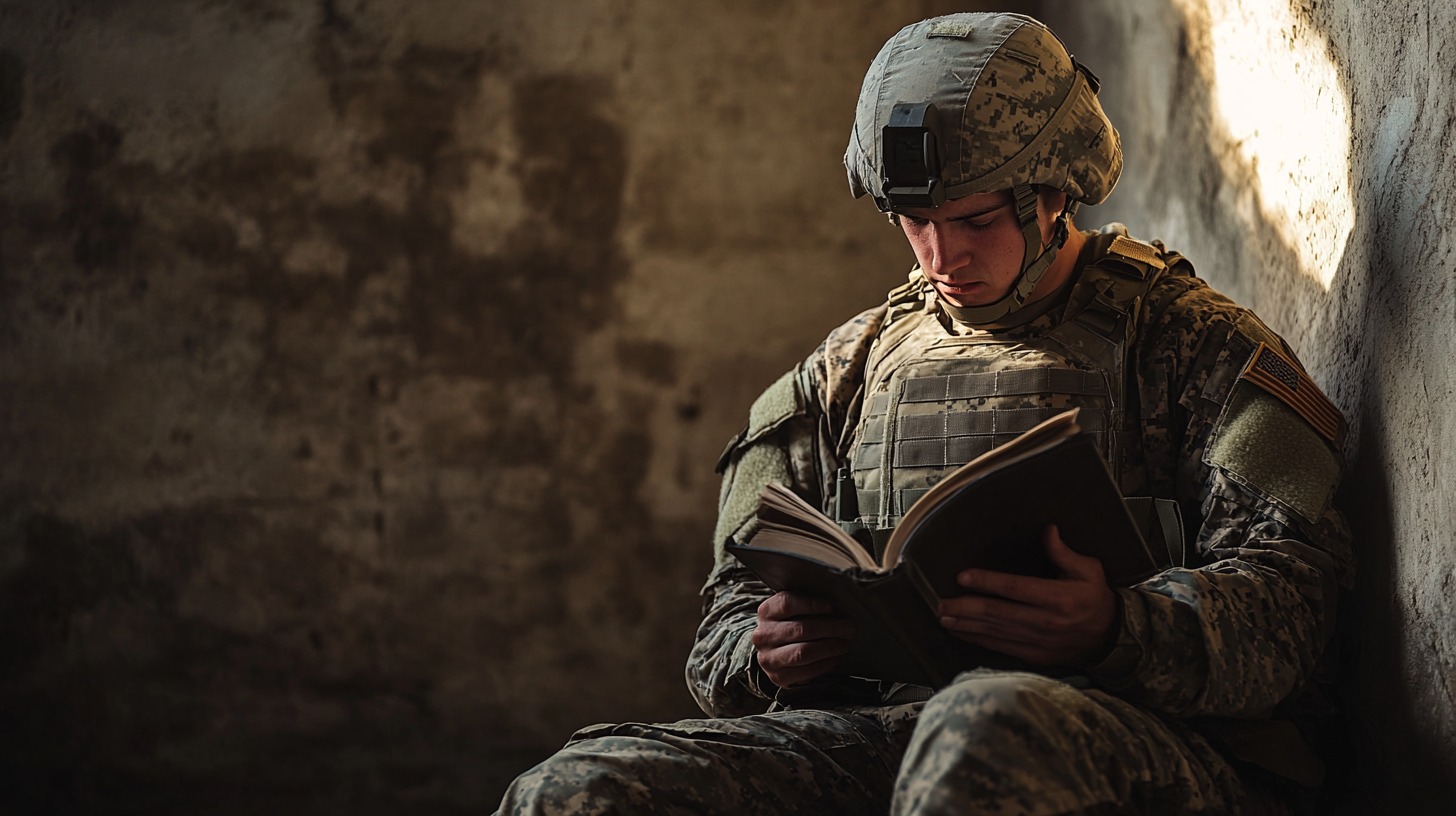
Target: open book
(990, 513)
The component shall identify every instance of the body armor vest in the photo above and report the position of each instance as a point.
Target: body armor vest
(934, 399)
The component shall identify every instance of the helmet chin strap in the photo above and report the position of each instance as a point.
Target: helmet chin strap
(1034, 263)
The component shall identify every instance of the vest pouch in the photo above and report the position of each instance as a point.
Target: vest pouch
(1161, 523)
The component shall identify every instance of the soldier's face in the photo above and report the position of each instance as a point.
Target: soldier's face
(970, 248)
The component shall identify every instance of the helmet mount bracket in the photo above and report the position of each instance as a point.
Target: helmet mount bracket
(911, 158)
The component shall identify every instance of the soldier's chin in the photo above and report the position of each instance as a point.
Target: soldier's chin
(970, 294)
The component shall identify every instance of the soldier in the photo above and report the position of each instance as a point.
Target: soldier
(979, 135)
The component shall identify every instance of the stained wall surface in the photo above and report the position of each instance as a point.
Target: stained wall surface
(1303, 155)
(363, 364)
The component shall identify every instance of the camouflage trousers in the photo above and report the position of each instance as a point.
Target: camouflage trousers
(991, 743)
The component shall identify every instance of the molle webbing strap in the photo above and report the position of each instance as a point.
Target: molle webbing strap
(952, 452)
(941, 452)
(983, 423)
(961, 436)
(950, 440)
(987, 423)
(1004, 383)
(908, 496)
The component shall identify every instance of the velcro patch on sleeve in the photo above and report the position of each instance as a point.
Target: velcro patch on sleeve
(774, 406)
(1286, 381)
(1263, 442)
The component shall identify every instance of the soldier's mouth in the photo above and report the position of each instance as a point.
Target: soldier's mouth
(965, 288)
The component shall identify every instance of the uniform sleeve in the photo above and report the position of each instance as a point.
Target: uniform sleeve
(1244, 629)
(793, 437)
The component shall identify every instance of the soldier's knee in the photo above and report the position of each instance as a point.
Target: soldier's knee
(992, 739)
(583, 778)
(1002, 708)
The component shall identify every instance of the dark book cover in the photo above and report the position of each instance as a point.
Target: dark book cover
(993, 522)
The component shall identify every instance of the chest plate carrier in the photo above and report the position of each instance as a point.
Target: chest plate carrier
(936, 399)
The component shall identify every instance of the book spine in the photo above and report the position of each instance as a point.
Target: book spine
(922, 585)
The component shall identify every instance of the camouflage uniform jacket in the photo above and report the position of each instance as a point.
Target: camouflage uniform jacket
(1239, 635)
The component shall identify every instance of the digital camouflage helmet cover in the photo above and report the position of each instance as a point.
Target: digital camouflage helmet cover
(979, 102)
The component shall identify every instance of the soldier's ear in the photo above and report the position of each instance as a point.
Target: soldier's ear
(1050, 201)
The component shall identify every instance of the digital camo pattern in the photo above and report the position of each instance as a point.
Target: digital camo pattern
(990, 743)
(1193, 343)
(1205, 661)
(720, 672)
(1014, 109)
(836, 371)
(1015, 743)
(802, 762)
(1261, 609)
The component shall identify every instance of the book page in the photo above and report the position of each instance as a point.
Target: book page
(816, 536)
(794, 542)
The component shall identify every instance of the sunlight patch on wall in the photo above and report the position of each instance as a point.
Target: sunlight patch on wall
(1280, 97)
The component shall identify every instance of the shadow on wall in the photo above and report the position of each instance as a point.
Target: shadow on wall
(1247, 151)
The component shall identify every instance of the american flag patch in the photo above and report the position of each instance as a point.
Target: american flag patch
(1278, 375)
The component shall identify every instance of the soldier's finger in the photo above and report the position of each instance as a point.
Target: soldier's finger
(1072, 563)
(784, 605)
(777, 633)
(994, 616)
(800, 662)
(1022, 588)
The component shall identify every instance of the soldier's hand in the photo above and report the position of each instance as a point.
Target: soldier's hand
(799, 638)
(1068, 620)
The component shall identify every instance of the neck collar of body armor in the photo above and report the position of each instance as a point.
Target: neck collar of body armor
(1004, 312)
(1012, 319)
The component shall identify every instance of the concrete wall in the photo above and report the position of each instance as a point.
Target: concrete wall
(362, 368)
(362, 363)
(1302, 154)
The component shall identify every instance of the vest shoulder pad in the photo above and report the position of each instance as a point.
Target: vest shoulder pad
(904, 300)
(1132, 250)
(1113, 249)
(911, 291)
(1114, 283)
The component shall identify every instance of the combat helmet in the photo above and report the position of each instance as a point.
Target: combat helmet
(978, 102)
